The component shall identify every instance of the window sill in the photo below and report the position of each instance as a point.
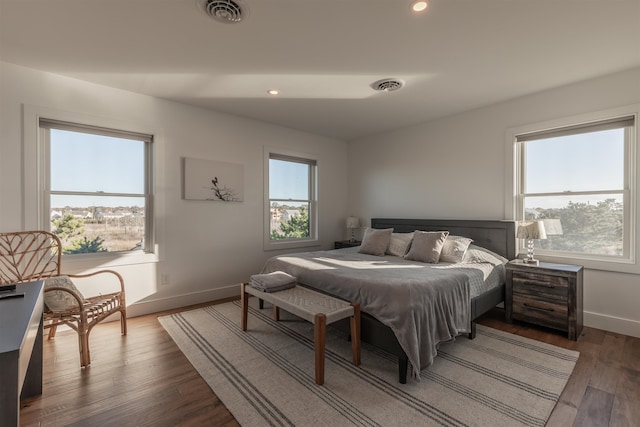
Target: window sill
(613, 265)
(280, 245)
(107, 260)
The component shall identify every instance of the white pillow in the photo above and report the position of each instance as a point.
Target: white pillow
(375, 241)
(60, 300)
(426, 246)
(478, 254)
(399, 244)
(454, 248)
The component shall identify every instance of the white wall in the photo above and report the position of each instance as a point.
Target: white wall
(455, 168)
(206, 248)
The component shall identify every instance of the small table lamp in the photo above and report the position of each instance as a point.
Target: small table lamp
(531, 230)
(352, 223)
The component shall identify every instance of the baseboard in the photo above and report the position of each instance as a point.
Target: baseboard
(184, 300)
(612, 324)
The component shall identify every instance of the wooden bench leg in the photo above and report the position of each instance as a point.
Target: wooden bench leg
(320, 336)
(276, 313)
(355, 333)
(244, 297)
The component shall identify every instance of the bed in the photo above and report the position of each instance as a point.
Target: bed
(410, 307)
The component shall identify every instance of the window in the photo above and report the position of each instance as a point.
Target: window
(97, 187)
(291, 201)
(578, 179)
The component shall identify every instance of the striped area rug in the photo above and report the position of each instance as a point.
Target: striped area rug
(265, 376)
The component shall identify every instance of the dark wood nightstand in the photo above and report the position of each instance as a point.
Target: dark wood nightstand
(547, 294)
(346, 244)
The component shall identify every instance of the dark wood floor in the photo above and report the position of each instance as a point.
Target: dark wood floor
(143, 379)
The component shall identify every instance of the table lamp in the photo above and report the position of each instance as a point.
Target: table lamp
(352, 223)
(531, 230)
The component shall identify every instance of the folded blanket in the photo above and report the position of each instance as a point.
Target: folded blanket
(273, 282)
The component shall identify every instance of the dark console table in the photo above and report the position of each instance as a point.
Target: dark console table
(20, 349)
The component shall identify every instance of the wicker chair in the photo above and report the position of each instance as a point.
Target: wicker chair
(28, 256)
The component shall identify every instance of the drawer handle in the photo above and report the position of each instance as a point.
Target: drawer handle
(538, 308)
(530, 283)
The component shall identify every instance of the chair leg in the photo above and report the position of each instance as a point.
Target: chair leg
(123, 322)
(85, 356)
(52, 332)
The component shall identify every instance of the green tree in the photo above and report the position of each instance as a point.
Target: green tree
(68, 227)
(71, 232)
(85, 246)
(589, 228)
(296, 228)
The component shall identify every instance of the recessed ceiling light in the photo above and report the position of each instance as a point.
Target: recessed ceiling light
(419, 6)
(273, 92)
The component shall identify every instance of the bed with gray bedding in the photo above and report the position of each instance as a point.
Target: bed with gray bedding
(409, 307)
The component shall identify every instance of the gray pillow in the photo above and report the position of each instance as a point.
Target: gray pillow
(454, 248)
(426, 246)
(375, 241)
(399, 244)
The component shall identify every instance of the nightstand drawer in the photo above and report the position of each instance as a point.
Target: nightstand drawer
(546, 294)
(534, 310)
(552, 288)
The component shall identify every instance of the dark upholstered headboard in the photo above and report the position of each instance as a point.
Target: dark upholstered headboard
(497, 236)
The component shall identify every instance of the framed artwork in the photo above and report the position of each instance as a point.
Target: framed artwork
(213, 180)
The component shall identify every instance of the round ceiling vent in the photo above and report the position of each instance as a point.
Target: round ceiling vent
(387, 85)
(227, 11)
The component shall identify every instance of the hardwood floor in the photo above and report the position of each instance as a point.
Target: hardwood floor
(143, 379)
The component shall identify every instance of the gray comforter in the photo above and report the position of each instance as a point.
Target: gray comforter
(424, 304)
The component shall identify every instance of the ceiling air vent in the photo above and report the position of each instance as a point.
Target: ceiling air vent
(387, 85)
(227, 11)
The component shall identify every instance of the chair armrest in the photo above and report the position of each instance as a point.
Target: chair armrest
(95, 273)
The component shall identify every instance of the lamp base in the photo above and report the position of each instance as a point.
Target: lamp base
(531, 261)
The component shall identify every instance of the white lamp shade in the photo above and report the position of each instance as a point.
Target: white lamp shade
(531, 230)
(353, 222)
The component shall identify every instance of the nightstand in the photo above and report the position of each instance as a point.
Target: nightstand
(346, 244)
(547, 294)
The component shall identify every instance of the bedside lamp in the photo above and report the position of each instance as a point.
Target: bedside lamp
(352, 223)
(531, 230)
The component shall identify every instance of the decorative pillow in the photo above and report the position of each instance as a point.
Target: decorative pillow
(426, 246)
(478, 254)
(399, 244)
(375, 241)
(60, 300)
(454, 249)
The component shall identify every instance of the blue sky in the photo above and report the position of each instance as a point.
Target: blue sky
(288, 180)
(575, 163)
(89, 163)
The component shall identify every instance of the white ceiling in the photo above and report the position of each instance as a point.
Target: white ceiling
(324, 54)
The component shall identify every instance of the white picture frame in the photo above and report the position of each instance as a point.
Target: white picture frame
(213, 180)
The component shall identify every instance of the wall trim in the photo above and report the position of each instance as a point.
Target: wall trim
(612, 324)
(168, 303)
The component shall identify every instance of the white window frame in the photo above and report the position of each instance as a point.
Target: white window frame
(35, 199)
(46, 125)
(312, 161)
(514, 202)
